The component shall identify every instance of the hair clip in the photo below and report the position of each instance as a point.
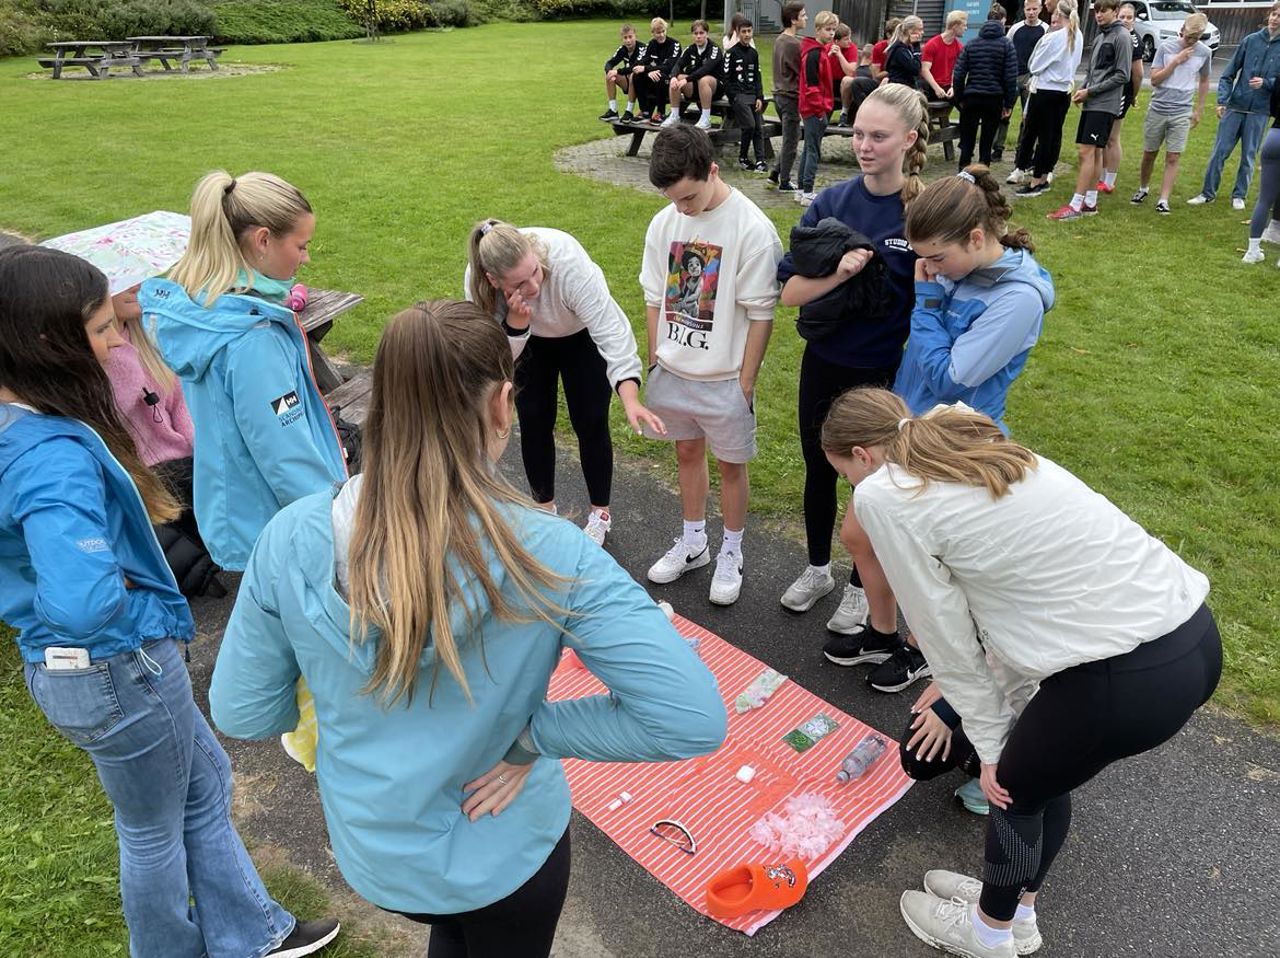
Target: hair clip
(485, 227)
(683, 841)
(966, 175)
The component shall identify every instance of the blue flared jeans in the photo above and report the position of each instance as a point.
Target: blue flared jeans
(188, 886)
(1235, 127)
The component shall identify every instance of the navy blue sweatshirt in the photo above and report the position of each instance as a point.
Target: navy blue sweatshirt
(881, 219)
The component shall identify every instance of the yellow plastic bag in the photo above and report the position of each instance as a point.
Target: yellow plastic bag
(300, 744)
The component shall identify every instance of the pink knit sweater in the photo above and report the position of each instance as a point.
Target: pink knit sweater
(161, 431)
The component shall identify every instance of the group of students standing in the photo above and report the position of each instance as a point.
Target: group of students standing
(425, 599)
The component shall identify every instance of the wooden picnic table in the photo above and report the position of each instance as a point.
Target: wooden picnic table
(182, 49)
(323, 307)
(74, 53)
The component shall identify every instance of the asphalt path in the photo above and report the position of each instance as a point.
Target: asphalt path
(1173, 853)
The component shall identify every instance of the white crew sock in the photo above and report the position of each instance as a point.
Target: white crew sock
(990, 937)
(1255, 245)
(1091, 198)
(822, 569)
(631, 106)
(613, 105)
(732, 541)
(706, 114)
(1109, 177)
(695, 533)
(1077, 201)
(1025, 913)
(1144, 188)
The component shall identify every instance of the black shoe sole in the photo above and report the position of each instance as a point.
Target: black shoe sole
(874, 658)
(912, 678)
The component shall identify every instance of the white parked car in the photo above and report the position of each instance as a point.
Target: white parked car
(1157, 20)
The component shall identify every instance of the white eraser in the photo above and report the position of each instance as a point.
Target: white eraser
(745, 774)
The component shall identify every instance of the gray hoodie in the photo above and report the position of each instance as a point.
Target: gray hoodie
(1109, 65)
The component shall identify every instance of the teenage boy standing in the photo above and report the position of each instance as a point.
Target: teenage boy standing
(786, 90)
(710, 287)
(1101, 99)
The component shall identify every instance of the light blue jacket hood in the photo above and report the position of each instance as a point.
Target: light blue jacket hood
(391, 778)
(970, 339)
(263, 435)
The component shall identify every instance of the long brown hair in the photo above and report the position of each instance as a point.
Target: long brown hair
(946, 444)
(430, 514)
(46, 298)
(952, 207)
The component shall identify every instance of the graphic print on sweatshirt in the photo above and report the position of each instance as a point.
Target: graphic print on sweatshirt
(693, 272)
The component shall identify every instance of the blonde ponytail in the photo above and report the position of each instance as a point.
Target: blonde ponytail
(493, 248)
(1073, 22)
(912, 110)
(223, 209)
(946, 444)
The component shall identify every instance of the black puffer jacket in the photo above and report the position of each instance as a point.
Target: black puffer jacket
(988, 66)
(816, 252)
(192, 566)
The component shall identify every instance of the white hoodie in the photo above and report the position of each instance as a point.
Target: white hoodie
(1052, 65)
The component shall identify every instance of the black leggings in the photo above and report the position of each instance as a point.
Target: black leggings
(1083, 719)
(522, 925)
(1041, 142)
(820, 383)
(575, 361)
(974, 110)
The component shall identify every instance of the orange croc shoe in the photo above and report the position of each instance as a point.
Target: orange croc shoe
(745, 888)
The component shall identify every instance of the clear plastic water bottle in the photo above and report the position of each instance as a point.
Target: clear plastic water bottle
(862, 757)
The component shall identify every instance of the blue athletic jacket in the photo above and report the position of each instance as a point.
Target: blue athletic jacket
(969, 340)
(1258, 55)
(72, 528)
(263, 435)
(391, 778)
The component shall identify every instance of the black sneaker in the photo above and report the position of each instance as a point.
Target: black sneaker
(745, 164)
(657, 118)
(1028, 189)
(628, 117)
(864, 644)
(761, 166)
(788, 188)
(902, 668)
(609, 115)
(307, 938)
(843, 119)
(773, 176)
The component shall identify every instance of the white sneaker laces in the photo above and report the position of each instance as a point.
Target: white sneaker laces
(727, 566)
(953, 914)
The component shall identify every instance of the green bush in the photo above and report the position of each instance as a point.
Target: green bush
(451, 13)
(26, 24)
(392, 16)
(20, 32)
(282, 21)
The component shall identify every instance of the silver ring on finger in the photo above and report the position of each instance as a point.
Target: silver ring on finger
(502, 779)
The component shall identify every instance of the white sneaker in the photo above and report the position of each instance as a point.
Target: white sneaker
(947, 924)
(1049, 177)
(704, 123)
(1272, 233)
(727, 581)
(946, 884)
(806, 199)
(1198, 200)
(808, 589)
(1016, 176)
(1253, 256)
(672, 118)
(1237, 203)
(851, 613)
(680, 558)
(598, 525)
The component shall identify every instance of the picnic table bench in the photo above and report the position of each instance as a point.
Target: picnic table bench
(352, 398)
(323, 307)
(728, 132)
(181, 49)
(75, 53)
(941, 129)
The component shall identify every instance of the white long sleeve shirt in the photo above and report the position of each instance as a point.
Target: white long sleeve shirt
(1003, 594)
(575, 296)
(1052, 65)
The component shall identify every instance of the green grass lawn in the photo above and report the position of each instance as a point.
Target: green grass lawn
(1153, 380)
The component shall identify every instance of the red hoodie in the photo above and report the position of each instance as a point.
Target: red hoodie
(816, 77)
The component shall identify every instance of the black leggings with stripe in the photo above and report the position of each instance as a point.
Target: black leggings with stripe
(1083, 719)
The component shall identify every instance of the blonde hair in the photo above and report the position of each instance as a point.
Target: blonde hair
(223, 209)
(903, 33)
(1066, 10)
(1195, 25)
(946, 444)
(149, 356)
(430, 517)
(952, 207)
(913, 111)
(955, 16)
(824, 19)
(493, 248)
(653, 24)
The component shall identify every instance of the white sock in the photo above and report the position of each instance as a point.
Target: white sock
(822, 569)
(1255, 245)
(613, 105)
(990, 937)
(695, 533)
(1077, 201)
(1143, 188)
(631, 106)
(706, 114)
(732, 541)
(595, 511)
(1091, 198)
(1109, 177)
(1025, 913)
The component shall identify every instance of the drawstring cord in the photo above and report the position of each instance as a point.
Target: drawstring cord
(152, 665)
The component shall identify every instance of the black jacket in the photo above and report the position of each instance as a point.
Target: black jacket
(695, 63)
(988, 66)
(902, 64)
(816, 252)
(660, 56)
(623, 59)
(742, 72)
